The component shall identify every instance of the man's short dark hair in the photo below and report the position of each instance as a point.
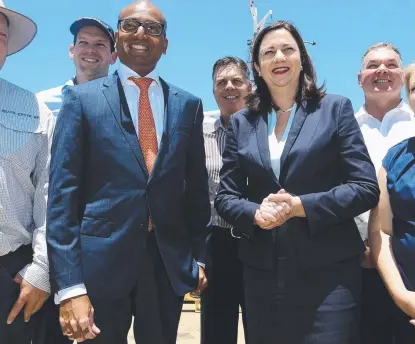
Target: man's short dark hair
(230, 61)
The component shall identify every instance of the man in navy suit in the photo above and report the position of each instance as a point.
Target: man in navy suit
(129, 201)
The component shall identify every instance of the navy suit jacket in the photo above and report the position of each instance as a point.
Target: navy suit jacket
(325, 162)
(101, 196)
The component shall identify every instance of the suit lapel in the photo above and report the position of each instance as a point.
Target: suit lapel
(298, 121)
(116, 99)
(171, 114)
(263, 145)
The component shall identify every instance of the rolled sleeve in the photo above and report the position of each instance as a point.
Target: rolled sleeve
(37, 273)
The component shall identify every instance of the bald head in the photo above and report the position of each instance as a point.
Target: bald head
(141, 37)
(142, 6)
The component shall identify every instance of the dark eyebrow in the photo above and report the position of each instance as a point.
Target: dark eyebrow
(268, 47)
(84, 38)
(284, 45)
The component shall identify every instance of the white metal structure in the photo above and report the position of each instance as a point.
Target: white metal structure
(258, 26)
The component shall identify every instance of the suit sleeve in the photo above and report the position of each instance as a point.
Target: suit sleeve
(63, 218)
(197, 202)
(230, 201)
(359, 189)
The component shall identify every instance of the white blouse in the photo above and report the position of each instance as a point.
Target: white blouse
(276, 147)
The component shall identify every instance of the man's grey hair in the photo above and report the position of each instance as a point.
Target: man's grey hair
(382, 45)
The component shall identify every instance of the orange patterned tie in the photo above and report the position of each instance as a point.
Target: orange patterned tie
(146, 127)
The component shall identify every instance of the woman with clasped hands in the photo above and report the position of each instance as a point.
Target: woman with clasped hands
(295, 173)
(392, 225)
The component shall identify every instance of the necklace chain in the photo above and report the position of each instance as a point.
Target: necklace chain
(287, 110)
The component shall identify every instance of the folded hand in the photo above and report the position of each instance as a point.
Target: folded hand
(76, 316)
(273, 213)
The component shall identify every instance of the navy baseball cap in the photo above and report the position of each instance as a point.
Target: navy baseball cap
(88, 21)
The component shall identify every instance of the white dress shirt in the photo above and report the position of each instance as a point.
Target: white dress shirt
(277, 147)
(53, 97)
(155, 95)
(397, 125)
(26, 130)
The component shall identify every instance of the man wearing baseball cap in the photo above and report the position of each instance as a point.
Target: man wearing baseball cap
(93, 51)
(26, 129)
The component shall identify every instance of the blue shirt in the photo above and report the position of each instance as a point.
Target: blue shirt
(399, 164)
(277, 147)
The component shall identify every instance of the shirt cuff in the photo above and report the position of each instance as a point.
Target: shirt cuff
(69, 293)
(37, 276)
(203, 266)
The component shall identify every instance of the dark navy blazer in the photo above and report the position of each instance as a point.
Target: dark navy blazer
(325, 162)
(101, 196)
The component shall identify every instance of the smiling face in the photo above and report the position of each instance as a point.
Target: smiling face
(139, 50)
(279, 59)
(92, 53)
(230, 89)
(381, 74)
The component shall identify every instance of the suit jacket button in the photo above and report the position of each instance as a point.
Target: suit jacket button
(141, 226)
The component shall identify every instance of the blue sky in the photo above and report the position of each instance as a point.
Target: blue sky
(201, 31)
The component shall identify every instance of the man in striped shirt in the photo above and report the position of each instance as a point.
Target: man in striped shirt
(221, 301)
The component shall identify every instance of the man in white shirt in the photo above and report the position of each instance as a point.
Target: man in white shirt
(92, 51)
(26, 129)
(385, 120)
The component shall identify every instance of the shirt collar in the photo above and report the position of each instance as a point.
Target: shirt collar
(70, 82)
(125, 72)
(218, 124)
(402, 107)
(272, 118)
